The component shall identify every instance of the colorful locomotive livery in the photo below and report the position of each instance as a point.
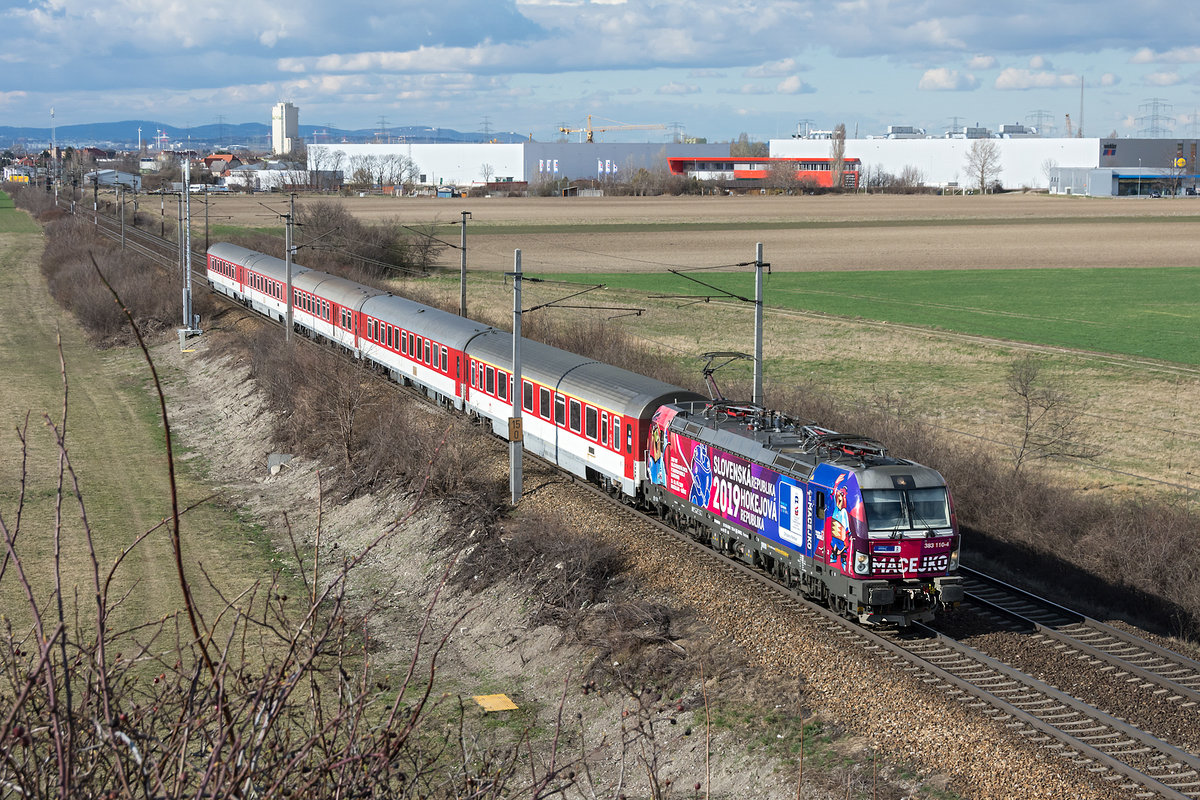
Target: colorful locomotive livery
(831, 516)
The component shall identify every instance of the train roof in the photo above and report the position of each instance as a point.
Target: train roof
(616, 389)
(442, 326)
(261, 263)
(342, 291)
(795, 446)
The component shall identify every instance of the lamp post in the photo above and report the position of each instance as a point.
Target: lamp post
(1139, 177)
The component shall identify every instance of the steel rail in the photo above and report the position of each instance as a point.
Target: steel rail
(1135, 656)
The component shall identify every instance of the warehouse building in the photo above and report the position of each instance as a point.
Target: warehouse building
(470, 164)
(1098, 167)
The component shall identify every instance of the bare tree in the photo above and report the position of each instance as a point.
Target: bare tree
(837, 155)
(910, 178)
(323, 165)
(487, 171)
(744, 147)
(782, 176)
(983, 163)
(1048, 167)
(1050, 422)
(360, 171)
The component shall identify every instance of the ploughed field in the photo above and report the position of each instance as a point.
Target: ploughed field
(1104, 291)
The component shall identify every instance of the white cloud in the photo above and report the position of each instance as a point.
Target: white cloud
(1013, 78)
(1161, 79)
(1178, 55)
(1109, 79)
(947, 80)
(772, 69)
(982, 62)
(1040, 63)
(679, 88)
(794, 85)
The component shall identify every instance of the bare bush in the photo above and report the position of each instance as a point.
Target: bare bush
(153, 295)
(564, 570)
(1050, 421)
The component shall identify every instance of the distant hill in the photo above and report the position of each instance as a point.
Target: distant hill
(253, 135)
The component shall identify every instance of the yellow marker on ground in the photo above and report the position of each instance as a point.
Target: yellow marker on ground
(495, 702)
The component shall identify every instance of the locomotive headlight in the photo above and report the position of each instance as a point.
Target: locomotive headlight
(954, 559)
(862, 563)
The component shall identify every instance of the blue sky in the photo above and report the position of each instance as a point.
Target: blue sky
(713, 68)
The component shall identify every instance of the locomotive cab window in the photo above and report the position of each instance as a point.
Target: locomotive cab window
(906, 511)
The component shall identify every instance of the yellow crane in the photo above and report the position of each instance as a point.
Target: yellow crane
(590, 130)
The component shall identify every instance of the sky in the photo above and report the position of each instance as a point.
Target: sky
(703, 68)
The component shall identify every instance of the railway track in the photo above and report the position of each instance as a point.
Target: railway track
(1122, 754)
(1127, 657)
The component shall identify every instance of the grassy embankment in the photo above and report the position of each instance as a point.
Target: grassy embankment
(117, 449)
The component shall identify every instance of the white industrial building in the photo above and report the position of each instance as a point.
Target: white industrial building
(1090, 166)
(1101, 167)
(469, 164)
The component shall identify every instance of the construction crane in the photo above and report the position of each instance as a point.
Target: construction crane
(590, 130)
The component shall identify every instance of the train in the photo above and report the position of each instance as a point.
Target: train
(831, 516)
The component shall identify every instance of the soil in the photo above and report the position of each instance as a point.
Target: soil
(855, 232)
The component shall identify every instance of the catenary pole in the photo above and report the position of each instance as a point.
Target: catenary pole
(462, 270)
(758, 324)
(187, 245)
(515, 433)
(289, 249)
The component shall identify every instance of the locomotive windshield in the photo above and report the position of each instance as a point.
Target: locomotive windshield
(893, 511)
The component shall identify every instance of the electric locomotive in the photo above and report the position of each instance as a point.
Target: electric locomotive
(832, 516)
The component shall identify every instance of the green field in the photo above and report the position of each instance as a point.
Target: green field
(1149, 313)
(11, 221)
